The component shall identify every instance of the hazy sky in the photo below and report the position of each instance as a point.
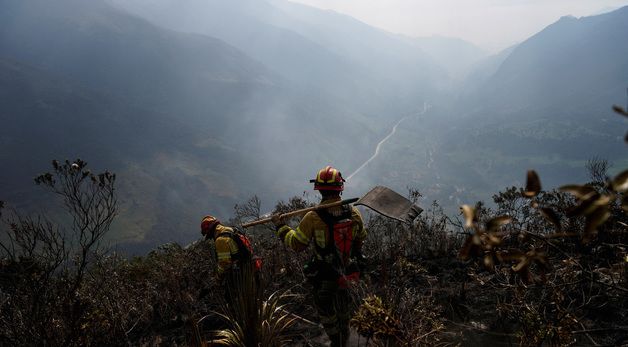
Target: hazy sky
(491, 24)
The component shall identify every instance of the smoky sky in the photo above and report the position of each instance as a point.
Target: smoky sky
(491, 24)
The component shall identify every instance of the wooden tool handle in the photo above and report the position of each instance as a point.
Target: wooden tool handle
(299, 212)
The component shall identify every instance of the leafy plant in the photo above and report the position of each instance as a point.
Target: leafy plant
(374, 320)
(252, 319)
(560, 268)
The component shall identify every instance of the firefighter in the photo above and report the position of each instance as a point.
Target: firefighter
(337, 234)
(234, 254)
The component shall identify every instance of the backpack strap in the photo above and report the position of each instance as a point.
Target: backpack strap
(243, 250)
(330, 220)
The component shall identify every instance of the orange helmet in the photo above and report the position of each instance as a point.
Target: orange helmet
(328, 178)
(208, 225)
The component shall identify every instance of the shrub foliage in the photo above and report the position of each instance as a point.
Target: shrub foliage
(535, 268)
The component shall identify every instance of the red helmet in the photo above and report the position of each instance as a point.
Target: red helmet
(328, 178)
(208, 225)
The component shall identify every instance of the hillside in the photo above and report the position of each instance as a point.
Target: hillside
(550, 92)
(107, 49)
(336, 55)
(510, 275)
(124, 122)
(201, 114)
(91, 79)
(575, 62)
(193, 99)
(456, 56)
(542, 98)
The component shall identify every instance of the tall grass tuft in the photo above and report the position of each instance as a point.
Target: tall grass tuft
(252, 318)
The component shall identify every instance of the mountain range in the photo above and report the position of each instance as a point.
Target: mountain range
(200, 107)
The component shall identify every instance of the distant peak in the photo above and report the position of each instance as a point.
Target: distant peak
(568, 18)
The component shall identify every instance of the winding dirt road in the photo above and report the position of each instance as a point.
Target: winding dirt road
(379, 145)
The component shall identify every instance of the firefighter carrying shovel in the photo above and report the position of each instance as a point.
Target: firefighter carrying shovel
(337, 234)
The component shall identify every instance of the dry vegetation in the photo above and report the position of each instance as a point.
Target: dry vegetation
(538, 268)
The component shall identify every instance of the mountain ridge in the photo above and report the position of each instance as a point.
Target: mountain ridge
(191, 123)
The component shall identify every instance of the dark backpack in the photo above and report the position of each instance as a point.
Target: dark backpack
(340, 245)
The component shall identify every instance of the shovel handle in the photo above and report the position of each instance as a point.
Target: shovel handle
(302, 211)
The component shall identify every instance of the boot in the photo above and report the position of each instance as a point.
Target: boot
(339, 340)
(344, 337)
(336, 340)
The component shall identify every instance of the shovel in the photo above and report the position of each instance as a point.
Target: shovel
(380, 199)
(391, 204)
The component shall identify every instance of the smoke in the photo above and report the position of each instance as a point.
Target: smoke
(200, 106)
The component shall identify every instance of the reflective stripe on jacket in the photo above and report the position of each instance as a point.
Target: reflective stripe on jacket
(226, 249)
(313, 227)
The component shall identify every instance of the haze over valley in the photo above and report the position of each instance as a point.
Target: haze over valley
(198, 107)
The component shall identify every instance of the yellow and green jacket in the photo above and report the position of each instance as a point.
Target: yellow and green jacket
(313, 227)
(226, 249)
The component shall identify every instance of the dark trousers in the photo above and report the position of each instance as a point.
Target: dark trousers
(334, 309)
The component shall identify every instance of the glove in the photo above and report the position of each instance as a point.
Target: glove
(281, 229)
(362, 262)
(277, 221)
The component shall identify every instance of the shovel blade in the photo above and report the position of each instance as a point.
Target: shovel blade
(391, 204)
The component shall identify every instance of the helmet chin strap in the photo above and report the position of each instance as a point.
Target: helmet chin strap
(330, 193)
